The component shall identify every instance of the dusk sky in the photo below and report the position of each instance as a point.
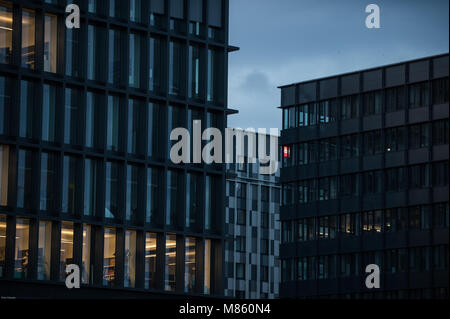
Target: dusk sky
(287, 41)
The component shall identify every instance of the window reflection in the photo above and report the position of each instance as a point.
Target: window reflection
(109, 257)
(189, 265)
(72, 116)
(5, 103)
(173, 184)
(154, 178)
(27, 101)
(132, 193)
(113, 123)
(150, 260)
(130, 259)
(49, 113)
(170, 263)
(4, 174)
(28, 39)
(48, 181)
(66, 250)
(44, 250)
(135, 60)
(112, 190)
(50, 43)
(24, 179)
(90, 186)
(21, 250)
(6, 24)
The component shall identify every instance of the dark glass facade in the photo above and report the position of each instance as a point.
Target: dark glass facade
(365, 181)
(85, 176)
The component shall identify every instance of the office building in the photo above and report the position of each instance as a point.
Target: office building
(252, 225)
(365, 181)
(85, 119)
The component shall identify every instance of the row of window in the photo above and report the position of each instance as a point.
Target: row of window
(152, 13)
(240, 191)
(424, 217)
(37, 255)
(167, 69)
(366, 104)
(371, 182)
(369, 143)
(96, 113)
(74, 186)
(391, 261)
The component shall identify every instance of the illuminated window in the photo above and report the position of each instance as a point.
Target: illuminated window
(66, 250)
(50, 43)
(28, 39)
(189, 265)
(170, 263)
(44, 250)
(86, 255)
(109, 257)
(130, 259)
(21, 250)
(150, 260)
(207, 267)
(2, 244)
(6, 24)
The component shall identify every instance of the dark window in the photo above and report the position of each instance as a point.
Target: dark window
(25, 183)
(440, 91)
(395, 139)
(240, 271)
(73, 116)
(241, 217)
(395, 99)
(349, 185)
(328, 111)
(440, 174)
(419, 95)
(112, 191)
(350, 107)
(241, 244)
(440, 132)
(372, 103)
(71, 184)
(373, 143)
(396, 179)
(419, 135)
(350, 146)
(441, 215)
(419, 176)
(5, 102)
(372, 182)
(115, 56)
(157, 54)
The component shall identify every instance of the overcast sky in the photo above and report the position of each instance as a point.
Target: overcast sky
(287, 41)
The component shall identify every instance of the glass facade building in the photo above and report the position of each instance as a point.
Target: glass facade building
(85, 118)
(365, 180)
